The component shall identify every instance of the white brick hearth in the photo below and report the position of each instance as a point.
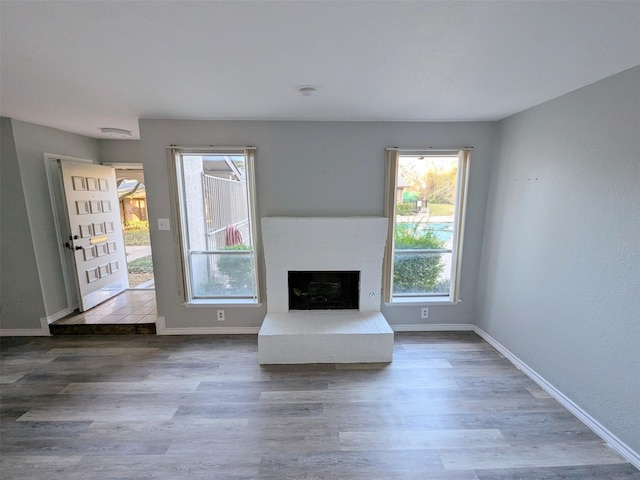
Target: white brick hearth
(324, 336)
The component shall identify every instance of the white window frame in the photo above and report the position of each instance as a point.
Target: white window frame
(181, 236)
(462, 185)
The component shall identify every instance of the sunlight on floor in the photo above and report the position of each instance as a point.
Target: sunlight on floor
(131, 306)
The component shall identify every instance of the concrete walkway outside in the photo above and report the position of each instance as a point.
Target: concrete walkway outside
(134, 252)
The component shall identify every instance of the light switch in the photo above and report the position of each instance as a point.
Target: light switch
(163, 224)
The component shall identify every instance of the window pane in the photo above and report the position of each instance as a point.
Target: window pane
(222, 275)
(426, 189)
(425, 197)
(418, 233)
(217, 232)
(421, 273)
(216, 201)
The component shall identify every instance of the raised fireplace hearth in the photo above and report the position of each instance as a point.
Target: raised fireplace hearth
(324, 280)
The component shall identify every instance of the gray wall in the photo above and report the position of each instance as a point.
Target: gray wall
(31, 142)
(20, 295)
(560, 279)
(120, 151)
(310, 169)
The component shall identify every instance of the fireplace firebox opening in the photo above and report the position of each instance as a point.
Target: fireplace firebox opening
(324, 290)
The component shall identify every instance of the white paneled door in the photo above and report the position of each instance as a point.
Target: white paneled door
(96, 239)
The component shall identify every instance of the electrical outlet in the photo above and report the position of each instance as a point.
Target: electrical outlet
(424, 312)
(220, 316)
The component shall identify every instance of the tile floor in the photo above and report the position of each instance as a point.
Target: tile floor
(130, 307)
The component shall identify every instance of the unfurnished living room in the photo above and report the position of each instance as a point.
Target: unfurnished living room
(320, 240)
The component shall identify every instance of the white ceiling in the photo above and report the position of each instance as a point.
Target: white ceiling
(83, 65)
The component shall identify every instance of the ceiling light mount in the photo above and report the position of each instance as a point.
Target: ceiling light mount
(116, 132)
(307, 90)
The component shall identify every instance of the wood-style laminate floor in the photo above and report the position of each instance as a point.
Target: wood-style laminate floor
(449, 407)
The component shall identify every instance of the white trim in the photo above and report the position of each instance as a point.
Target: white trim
(434, 327)
(69, 284)
(221, 302)
(444, 300)
(67, 157)
(43, 331)
(58, 315)
(614, 442)
(161, 329)
(124, 166)
(48, 161)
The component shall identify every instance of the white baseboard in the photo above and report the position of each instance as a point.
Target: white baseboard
(161, 329)
(43, 331)
(434, 327)
(58, 315)
(614, 442)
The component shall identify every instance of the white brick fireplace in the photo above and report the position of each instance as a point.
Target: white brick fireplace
(324, 336)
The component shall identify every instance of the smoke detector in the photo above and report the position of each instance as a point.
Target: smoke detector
(307, 90)
(116, 132)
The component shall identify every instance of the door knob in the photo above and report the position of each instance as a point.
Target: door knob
(78, 247)
(67, 245)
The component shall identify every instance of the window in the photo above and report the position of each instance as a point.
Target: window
(425, 206)
(215, 190)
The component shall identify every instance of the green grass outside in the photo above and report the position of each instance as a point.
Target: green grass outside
(141, 265)
(440, 209)
(134, 238)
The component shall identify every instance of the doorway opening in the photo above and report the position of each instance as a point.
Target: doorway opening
(132, 196)
(92, 251)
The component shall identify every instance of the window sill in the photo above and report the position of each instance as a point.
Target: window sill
(221, 302)
(421, 300)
